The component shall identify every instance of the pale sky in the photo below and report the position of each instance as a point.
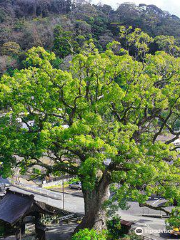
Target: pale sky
(172, 6)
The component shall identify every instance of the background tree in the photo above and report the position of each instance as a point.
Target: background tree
(135, 41)
(9, 59)
(167, 44)
(99, 121)
(10, 49)
(64, 43)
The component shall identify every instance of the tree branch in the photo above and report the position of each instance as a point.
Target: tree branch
(162, 126)
(154, 208)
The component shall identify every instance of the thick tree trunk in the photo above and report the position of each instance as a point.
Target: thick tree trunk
(95, 213)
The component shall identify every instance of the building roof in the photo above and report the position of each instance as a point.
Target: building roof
(15, 206)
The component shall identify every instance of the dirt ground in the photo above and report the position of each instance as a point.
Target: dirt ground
(55, 232)
(63, 232)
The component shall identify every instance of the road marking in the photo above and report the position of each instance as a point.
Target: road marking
(155, 202)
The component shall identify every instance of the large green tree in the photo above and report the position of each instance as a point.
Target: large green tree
(105, 107)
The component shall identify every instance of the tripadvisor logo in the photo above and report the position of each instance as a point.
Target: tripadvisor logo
(138, 231)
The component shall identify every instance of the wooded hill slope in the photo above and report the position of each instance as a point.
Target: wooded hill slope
(63, 26)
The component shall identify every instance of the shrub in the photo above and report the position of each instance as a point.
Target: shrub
(87, 234)
(114, 228)
(73, 180)
(132, 236)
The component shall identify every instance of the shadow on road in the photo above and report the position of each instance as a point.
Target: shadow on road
(144, 221)
(168, 236)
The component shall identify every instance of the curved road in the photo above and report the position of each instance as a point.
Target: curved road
(134, 213)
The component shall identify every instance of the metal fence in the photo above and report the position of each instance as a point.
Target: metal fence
(38, 190)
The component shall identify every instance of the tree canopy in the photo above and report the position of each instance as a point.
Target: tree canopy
(101, 120)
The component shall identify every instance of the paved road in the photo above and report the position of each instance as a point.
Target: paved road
(71, 203)
(134, 208)
(134, 213)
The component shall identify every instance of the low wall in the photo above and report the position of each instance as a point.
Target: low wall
(55, 183)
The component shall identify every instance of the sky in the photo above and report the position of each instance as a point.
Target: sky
(172, 6)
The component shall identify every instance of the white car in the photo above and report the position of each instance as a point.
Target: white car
(75, 185)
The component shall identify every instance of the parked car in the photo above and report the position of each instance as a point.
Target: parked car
(75, 185)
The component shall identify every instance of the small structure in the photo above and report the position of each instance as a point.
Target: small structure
(126, 226)
(4, 183)
(14, 208)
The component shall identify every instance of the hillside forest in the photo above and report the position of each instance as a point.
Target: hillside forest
(63, 27)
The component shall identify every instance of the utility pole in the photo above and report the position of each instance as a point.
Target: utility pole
(63, 192)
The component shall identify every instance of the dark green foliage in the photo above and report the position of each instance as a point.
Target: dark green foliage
(29, 8)
(2, 16)
(99, 26)
(149, 18)
(114, 228)
(62, 45)
(57, 62)
(1, 230)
